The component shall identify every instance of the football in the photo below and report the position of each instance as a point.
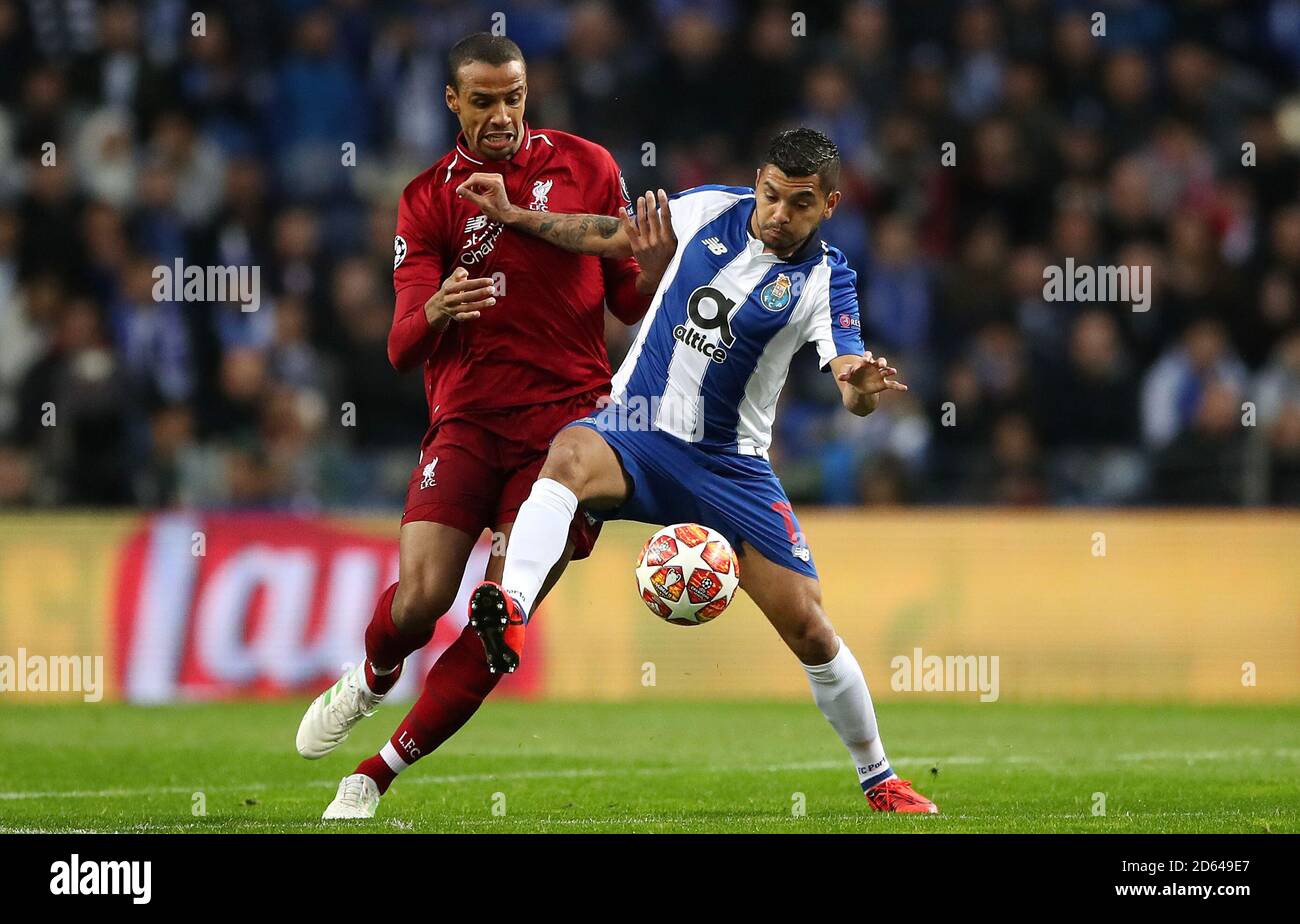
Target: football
(687, 574)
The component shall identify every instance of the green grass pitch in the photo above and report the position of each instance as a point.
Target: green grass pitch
(666, 766)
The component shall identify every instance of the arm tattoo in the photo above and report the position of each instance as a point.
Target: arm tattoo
(576, 232)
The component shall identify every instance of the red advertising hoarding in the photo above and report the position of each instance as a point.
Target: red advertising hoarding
(218, 605)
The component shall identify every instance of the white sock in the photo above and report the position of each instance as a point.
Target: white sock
(537, 541)
(841, 693)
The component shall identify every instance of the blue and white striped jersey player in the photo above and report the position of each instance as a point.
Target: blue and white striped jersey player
(686, 435)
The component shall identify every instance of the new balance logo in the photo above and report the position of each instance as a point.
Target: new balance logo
(716, 247)
(428, 480)
(477, 223)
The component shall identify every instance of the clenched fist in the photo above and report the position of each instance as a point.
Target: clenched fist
(488, 192)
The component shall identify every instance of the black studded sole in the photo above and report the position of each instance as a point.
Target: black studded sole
(488, 615)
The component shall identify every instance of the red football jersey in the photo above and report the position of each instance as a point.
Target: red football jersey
(544, 338)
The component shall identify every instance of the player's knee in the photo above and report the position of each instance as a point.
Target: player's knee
(566, 463)
(419, 601)
(810, 635)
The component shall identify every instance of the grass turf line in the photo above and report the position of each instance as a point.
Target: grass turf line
(664, 766)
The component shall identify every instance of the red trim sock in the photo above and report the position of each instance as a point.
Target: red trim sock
(378, 770)
(388, 646)
(456, 686)
(380, 684)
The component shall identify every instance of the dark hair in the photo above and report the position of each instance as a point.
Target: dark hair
(803, 152)
(481, 46)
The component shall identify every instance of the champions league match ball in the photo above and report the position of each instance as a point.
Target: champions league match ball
(687, 574)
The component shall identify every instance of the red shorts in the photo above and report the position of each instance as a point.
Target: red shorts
(475, 472)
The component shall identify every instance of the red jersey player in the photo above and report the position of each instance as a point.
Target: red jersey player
(510, 332)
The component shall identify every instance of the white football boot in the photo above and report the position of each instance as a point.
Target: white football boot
(358, 797)
(331, 715)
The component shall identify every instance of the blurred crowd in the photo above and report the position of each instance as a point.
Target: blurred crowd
(982, 142)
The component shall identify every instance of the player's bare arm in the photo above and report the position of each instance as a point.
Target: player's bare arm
(459, 299)
(598, 235)
(862, 380)
(650, 239)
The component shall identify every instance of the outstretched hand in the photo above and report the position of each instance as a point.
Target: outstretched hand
(870, 375)
(652, 239)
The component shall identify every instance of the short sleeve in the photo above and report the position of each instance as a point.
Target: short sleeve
(620, 275)
(694, 208)
(616, 198)
(836, 326)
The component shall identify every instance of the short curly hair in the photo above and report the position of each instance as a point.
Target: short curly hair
(803, 152)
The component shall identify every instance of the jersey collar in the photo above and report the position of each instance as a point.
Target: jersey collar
(519, 159)
(808, 249)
